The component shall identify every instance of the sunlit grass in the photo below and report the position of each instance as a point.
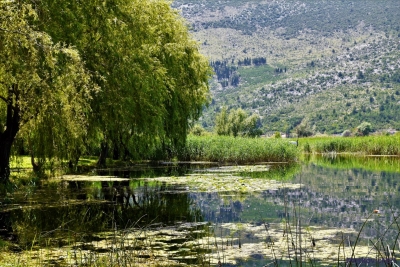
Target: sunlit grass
(20, 162)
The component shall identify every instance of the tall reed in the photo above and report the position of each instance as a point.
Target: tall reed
(237, 149)
(368, 145)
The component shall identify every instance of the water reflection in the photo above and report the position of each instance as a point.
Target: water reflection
(84, 209)
(335, 192)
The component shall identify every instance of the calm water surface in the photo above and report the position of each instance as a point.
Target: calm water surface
(328, 209)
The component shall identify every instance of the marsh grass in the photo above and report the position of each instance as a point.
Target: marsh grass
(301, 246)
(369, 145)
(133, 245)
(228, 149)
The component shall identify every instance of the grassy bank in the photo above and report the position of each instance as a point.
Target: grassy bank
(237, 150)
(368, 145)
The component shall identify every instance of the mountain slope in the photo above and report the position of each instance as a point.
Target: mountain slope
(331, 63)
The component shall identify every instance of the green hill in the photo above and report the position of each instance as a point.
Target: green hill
(331, 63)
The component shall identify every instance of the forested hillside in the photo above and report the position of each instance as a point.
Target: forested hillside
(330, 64)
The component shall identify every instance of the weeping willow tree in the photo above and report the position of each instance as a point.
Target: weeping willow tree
(152, 76)
(237, 122)
(43, 85)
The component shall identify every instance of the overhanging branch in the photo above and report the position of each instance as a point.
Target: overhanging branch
(3, 98)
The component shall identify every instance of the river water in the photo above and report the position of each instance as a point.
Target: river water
(326, 210)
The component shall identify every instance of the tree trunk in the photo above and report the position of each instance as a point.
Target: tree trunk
(7, 136)
(73, 162)
(116, 152)
(36, 166)
(102, 162)
(5, 150)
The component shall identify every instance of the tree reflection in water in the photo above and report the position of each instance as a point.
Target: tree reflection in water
(85, 209)
(335, 193)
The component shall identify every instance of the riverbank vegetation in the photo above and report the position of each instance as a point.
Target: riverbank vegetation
(237, 149)
(380, 145)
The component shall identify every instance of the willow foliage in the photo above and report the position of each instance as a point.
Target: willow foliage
(123, 74)
(152, 76)
(44, 86)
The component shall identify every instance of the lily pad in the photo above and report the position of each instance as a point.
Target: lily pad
(222, 182)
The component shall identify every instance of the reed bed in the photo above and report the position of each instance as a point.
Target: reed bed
(368, 145)
(237, 149)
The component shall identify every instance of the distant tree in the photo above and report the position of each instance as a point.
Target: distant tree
(251, 126)
(304, 129)
(235, 79)
(236, 120)
(360, 75)
(259, 61)
(226, 74)
(222, 123)
(364, 129)
(237, 123)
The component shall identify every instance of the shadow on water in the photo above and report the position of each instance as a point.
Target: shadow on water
(85, 207)
(322, 202)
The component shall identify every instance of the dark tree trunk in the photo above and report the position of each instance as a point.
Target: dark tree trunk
(37, 166)
(5, 150)
(73, 165)
(73, 162)
(7, 136)
(116, 153)
(102, 163)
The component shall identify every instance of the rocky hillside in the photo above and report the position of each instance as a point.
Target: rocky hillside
(331, 63)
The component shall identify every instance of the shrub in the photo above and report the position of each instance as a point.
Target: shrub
(364, 129)
(304, 129)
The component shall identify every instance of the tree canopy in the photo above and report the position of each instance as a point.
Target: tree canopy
(152, 76)
(121, 74)
(237, 122)
(43, 86)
